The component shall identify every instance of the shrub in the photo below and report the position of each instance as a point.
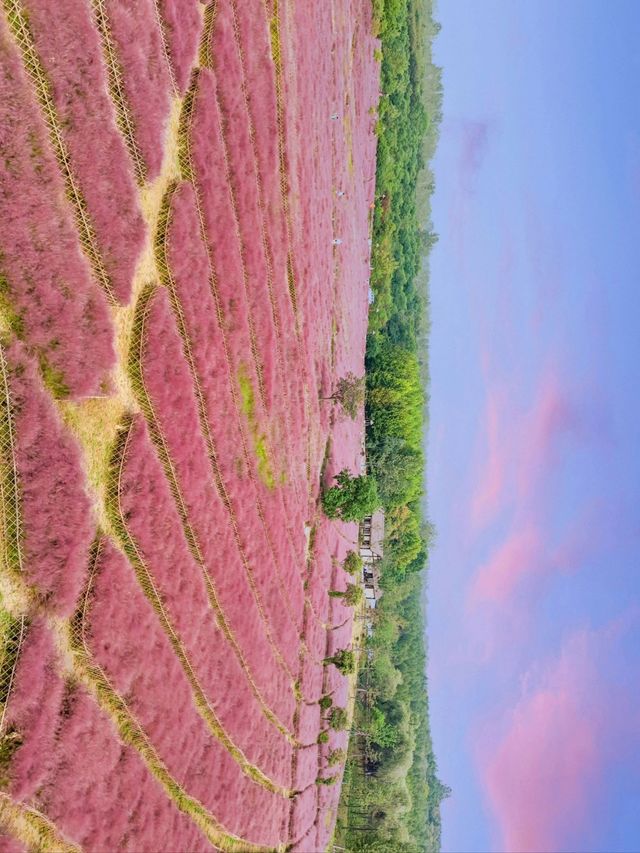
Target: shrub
(338, 719)
(336, 756)
(325, 702)
(352, 499)
(349, 393)
(352, 563)
(326, 780)
(344, 660)
(351, 596)
(323, 737)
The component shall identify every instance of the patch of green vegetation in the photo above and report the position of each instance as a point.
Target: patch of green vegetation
(391, 774)
(10, 319)
(260, 445)
(352, 498)
(9, 743)
(53, 378)
(11, 632)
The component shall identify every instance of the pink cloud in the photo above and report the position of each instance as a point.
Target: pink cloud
(523, 444)
(486, 499)
(541, 775)
(516, 557)
(553, 414)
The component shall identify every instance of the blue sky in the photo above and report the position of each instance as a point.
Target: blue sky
(534, 443)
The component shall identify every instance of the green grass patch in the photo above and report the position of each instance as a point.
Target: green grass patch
(258, 438)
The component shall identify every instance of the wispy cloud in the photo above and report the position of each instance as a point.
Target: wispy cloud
(490, 481)
(542, 774)
(516, 557)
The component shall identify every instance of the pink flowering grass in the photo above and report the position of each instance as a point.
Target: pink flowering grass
(269, 303)
(307, 757)
(8, 844)
(242, 305)
(188, 263)
(217, 376)
(98, 155)
(54, 507)
(129, 643)
(153, 522)
(168, 382)
(248, 330)
(55, 306)
(303, 818)
(32, 710)
(100, 793)
(249, 50)
(182, 25)
(138, 40)
(243, 185)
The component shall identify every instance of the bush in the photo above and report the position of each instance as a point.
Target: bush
(325, 702)
(349, 393)
(352, 563)
(338, 719)
(352, 595)
(326, 780)
(336, 756)
(352, 499)
(323, 737)
(344, 660)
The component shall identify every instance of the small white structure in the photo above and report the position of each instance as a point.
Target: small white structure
(372, 552)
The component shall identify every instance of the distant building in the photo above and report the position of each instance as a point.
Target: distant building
(372, 552)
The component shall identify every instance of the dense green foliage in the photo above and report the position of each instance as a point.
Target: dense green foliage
(391, 793)
(352, 498)
(344, 660)
(352, 563)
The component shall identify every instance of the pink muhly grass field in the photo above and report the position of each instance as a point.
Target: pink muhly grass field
(32, 710)
(154, 524)
(304, 814)
(55, 511)
(168, 383)
(284, 406)
(128, 641)
(256, 70)
(234, 124)
(210, 170)
(188, 263)
(100, 793)
(182, 24)
(307, 758)
(60, 312)
(98, 155)
(11, 845)
(138, 38)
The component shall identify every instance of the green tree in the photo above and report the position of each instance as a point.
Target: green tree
(349, 393)
(381, 731)
(352, 563)
(338, 719)
(352, 499)
(344, 660)
(351, 596)
(385, 677)
(398, 469)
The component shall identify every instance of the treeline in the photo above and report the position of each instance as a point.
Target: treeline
(391, 793)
